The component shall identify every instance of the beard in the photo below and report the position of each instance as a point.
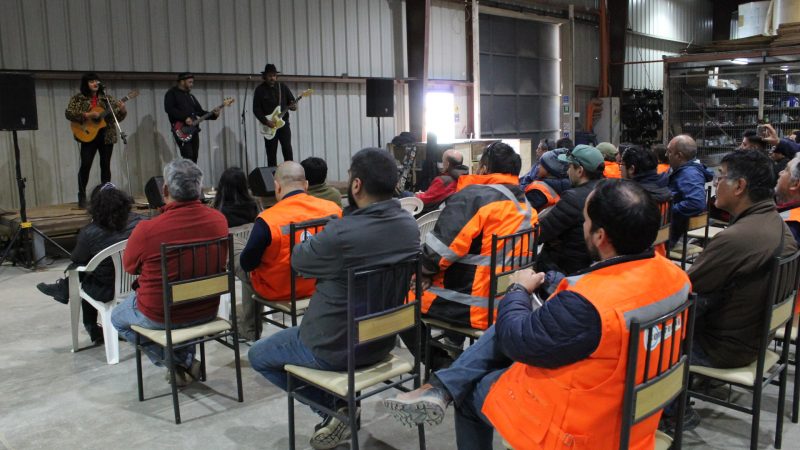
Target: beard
(593, 253)
(350, 199)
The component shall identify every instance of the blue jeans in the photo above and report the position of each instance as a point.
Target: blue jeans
(126, 314)
(468, 382)
(270, 354)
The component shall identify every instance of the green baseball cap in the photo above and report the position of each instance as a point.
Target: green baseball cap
(608, 150)
(585, 156)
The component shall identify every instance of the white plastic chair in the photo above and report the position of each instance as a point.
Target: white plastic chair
(122, 289)
(240, 236)
(412, 204)
(426, 224)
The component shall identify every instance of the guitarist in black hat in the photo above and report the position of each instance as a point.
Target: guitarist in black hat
(267, 97)
(182, 106)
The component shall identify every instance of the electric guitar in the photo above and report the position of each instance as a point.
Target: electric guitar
(277, 117)
(87, 131)
(184, 132)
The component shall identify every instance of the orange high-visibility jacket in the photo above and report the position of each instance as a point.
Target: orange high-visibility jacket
(793, 215)
(271, 278)
(579, 406)
(549, 193)
(459, 248)
(612, 170)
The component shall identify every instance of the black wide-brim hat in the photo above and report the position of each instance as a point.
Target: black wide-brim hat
(270, 68)
(185, 76)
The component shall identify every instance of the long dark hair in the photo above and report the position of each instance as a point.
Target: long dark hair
(232, 189)
(110, 207)
(85, 79)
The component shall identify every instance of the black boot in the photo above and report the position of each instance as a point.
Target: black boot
(58, 290)
(95, 333)
(82, 200)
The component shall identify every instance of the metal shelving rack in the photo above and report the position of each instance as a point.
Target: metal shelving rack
(716, 97)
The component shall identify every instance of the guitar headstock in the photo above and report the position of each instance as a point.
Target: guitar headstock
(228, 101)
(132, 94)
(306, 93)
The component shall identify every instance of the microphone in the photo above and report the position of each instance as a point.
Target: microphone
(101, 86)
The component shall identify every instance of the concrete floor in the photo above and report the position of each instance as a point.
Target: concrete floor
(53, 398)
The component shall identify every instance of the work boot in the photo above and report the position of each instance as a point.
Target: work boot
(331, 432)
(58, 290)
(423, 405)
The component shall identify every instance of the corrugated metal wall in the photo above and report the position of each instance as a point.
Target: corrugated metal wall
(360, 38)
(662, 27)
(447, 57)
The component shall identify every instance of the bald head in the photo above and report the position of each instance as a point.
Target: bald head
(289, 177)
(681, 149)
(452, 157)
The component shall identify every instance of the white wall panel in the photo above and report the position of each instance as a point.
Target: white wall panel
(642, 48)
(680, 20)
(587, 54)
(447, 51)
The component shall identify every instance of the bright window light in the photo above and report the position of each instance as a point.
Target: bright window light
(740, 61)
(440, 116)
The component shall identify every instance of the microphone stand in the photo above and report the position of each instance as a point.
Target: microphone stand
(243, 153)
(122, 137)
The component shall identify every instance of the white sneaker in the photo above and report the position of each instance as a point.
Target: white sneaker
(331, 432)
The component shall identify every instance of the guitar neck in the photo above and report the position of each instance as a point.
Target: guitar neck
(108, 111)
(286, 111)
(208, 114)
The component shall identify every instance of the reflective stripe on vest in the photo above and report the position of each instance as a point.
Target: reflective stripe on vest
(549, 193)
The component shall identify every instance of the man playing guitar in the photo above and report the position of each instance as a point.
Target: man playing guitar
(87, 106)
(267, 96)
(182, 106)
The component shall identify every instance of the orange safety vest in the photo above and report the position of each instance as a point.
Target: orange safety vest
(793, 215)
(549, 193)
(661, 168)
(579, 406)
(271, 278)
(470, 260)
(612, 170)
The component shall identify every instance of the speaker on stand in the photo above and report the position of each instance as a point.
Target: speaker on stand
(380, 100)
(18, 112)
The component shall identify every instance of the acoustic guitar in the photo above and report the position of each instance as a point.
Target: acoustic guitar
(184, 132)
(87, 131)
(277, 117)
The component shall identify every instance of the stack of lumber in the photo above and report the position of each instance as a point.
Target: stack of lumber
(788, 35)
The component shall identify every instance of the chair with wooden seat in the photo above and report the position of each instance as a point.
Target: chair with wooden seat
(510, 253)
(659, 376)
(426, 224)
(696, 223)
(778, 311)
(379, 306)
(122, 289)
(294, 307)
(210, 268)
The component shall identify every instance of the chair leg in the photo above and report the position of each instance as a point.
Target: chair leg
(237, 363)
(427, 347)
(781, 405)
(203, 361)
(796, 386)
(173, 384)
(352, 410)
(289, 389)
(75, 316)
(757, 391)
(111, 337)
(139, 380)
(421, 432)
(683, 256)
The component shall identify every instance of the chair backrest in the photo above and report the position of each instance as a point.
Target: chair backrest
(778, 311)
(510, 253)
(656, 378)
(412, 204)
(666, 219)
(300, 232)
(380, 304)
(700, 220)
(241, 234)
(196, 271)
(122, 279)
(426, 224)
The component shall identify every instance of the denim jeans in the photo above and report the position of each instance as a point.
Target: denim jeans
(270, 354)
(126, 314)
(468, 382)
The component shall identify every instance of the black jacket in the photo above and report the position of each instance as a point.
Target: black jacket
(239, 213)
(266, 98)
(382, 233)
(181, 105)
(92, 239)
(657, 185)
(561, 228)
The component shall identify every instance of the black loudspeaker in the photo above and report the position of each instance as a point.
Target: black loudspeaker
(380, 97)
(18, 102)
(262, 181)
(153, 192)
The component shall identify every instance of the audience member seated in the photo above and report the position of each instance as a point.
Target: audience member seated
(377, 232)
(266, 254)
(784, 149)
(795, 136)
(545, 145)
(316, 174)
(731, 275)
(562, 227)
(687, 182)
(610, 152)
(539, 375)
(660, 151)
(233, 199)
(112, 222)
(640, 165)
(787, 192)
(752, 141)
(184, 218)
(444, 185)
(565, 143)
(455, 259)
(551, 181)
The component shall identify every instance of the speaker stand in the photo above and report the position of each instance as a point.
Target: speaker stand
(22, 237)
(378, 121)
